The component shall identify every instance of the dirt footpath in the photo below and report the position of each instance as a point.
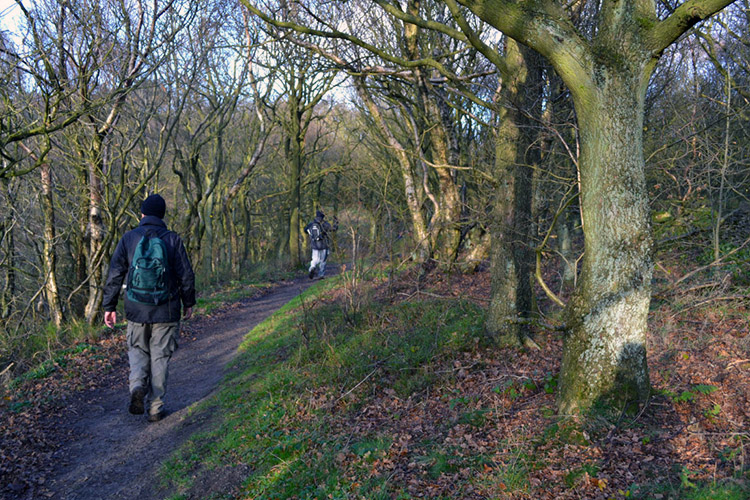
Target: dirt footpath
(112, 454)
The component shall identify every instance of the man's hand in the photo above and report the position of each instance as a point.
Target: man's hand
(188, 313)
(110, 318)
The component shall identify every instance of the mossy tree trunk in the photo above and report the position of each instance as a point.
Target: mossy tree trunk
(294, 157)
(96, 230)
(8, 250)
(445, 231)
(511, 254)
(306, 83)
(605, 349)
(607, 73)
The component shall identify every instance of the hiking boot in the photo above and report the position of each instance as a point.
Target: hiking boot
(311, 275)
(155, 417)
(136, 401)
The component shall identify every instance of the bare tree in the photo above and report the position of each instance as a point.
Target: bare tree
(606, 65)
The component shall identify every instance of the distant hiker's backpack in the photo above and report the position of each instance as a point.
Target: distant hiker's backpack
(149, 272)
(317, 236)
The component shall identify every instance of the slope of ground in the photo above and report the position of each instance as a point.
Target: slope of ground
(390, 389)
(69, 435)
(404, 397)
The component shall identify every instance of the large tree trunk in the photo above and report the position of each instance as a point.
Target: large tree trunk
(604, 354)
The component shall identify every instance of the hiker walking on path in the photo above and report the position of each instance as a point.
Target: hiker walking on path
(160, 283)
(320, 242)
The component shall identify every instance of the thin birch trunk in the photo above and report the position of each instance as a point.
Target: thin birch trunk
(49, 256)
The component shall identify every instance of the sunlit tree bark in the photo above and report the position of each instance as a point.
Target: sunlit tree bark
(49, 255)
(512, 256)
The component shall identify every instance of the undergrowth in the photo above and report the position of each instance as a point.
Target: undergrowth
(409, 398)
(277, 409)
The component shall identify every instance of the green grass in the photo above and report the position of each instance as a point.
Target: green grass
(575, 475)
(688, 489)
(301, 368)
(302, 374)
(512, 475)
(212, 299)
(49, 366)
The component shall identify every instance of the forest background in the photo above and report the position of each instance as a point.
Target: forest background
(436, 140)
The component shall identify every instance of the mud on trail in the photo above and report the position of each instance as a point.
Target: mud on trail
(100, 451)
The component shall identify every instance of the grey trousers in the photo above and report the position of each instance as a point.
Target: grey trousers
(150, 346)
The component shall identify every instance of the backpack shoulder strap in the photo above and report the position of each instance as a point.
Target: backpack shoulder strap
(159, 232)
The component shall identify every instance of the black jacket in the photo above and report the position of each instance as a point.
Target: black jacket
(181, 283)
(326, 228)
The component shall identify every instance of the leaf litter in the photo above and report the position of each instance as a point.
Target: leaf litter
(486, 427)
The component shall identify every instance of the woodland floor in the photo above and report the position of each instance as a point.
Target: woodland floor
(70, 436)
(74, 438)
(694, 431)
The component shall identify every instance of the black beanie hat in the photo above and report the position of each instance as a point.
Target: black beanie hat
(319, 214)
(154, 205)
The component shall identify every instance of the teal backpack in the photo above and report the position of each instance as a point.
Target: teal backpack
(148, 278)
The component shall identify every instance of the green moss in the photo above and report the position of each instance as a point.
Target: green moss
(646, 23)
(571, 478)
(609, 58)
(662, 217)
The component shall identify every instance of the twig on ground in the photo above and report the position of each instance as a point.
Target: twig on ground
(707, 301)
(617, 425)
(459, 368)
(643, 410)
(738, 362)
(671, 435)
(675, 238)
(715, 263)
(358, 384)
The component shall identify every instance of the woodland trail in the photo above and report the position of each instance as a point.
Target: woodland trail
(111, 454)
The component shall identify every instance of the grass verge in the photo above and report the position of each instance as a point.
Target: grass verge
(357, 392)
(300, 375)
